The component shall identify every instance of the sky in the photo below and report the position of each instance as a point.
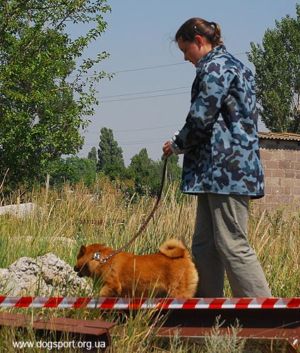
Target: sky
(148, 99)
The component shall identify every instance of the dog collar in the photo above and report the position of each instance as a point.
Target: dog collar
(97, 256)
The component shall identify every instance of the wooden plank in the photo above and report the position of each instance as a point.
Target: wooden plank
(252, 318)
(85, 327)
(257, 333)
(87, 323)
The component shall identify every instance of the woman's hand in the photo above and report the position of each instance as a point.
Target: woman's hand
(167, 149)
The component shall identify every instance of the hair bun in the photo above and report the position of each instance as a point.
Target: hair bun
(210, 30)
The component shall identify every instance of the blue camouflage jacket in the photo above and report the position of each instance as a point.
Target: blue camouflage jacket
(219, 139)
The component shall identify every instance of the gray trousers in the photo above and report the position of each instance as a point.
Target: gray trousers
(220, 244)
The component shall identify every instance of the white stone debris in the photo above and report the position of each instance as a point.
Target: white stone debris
(46, 275)
(19, 210)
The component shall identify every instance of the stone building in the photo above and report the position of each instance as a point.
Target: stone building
(280, 155)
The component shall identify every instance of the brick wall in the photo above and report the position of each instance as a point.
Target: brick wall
(281, 162)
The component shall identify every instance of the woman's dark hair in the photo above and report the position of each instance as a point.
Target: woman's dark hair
(210, 30)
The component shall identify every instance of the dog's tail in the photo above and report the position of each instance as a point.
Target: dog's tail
(173, 248)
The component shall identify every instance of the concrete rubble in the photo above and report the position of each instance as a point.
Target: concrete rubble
(19, 210)
(46, 275)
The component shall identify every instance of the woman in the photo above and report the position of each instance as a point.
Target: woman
(221, 162)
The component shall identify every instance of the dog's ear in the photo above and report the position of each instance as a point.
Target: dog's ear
(81, 251)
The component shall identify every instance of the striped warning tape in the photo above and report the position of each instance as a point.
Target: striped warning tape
(145, 303)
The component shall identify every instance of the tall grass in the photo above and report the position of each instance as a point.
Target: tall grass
(65, 219)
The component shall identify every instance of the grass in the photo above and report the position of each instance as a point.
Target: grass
(61, 224)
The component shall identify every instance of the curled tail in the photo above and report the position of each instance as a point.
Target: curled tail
(173, 248)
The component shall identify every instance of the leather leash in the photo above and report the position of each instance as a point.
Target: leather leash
(97, 255)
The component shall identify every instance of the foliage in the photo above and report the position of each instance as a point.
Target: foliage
(147, 174)
(110, 155)
(173, 169)
(72, 170)
(277, 64)
(92, 155)
(46, 95)
(144, 172)
(142, 176)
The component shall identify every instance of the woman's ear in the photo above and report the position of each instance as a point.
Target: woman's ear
(198, 39)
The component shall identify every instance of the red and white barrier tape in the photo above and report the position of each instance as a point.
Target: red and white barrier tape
(144, 303)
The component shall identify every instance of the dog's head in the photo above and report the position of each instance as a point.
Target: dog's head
(88, 260)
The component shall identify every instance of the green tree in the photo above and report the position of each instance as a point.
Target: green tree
(110, 155)
(173, 169)
(145, 173)
(277, 64)
(92, 155)
(72, 170)
(45, 93)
